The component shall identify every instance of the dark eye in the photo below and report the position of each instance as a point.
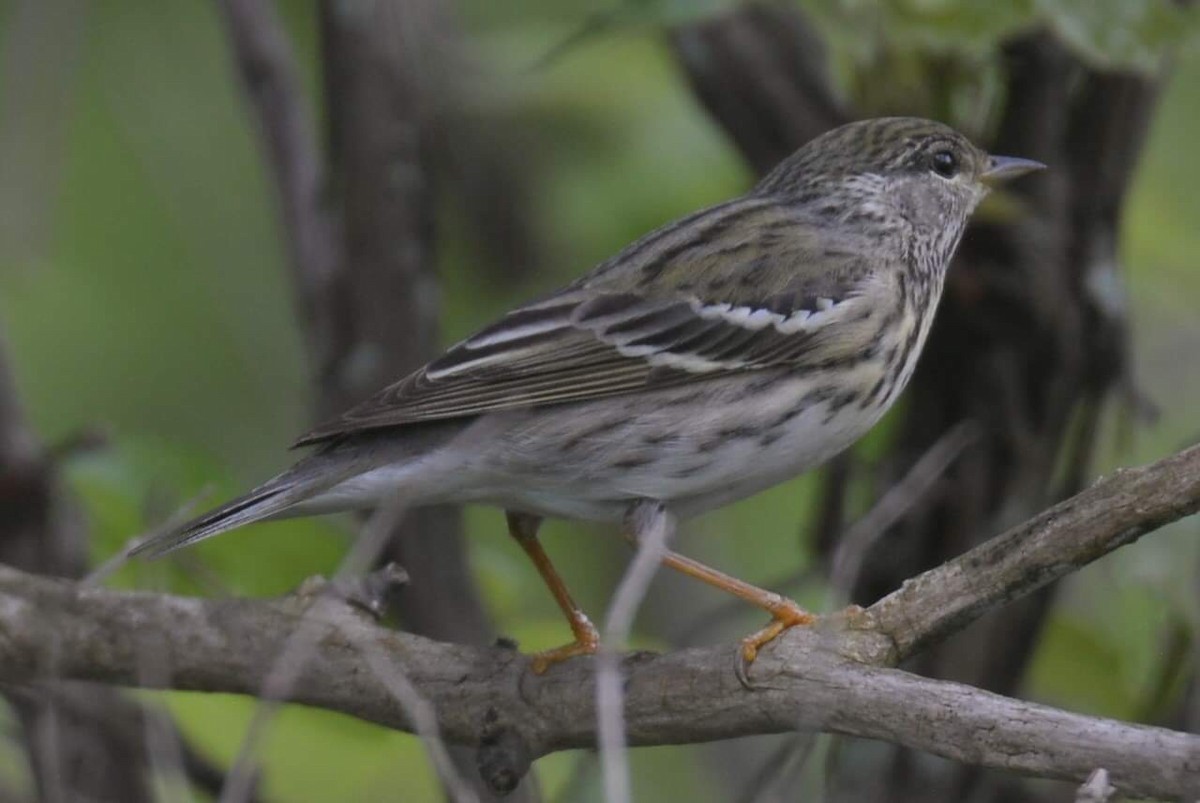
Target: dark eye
(945, 164)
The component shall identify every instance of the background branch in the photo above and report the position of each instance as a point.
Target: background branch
(271, 80)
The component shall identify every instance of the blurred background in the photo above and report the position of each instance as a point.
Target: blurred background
(158, 330)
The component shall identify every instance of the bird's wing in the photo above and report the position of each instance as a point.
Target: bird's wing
(667, 311)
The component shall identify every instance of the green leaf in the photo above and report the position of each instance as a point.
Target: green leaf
(1133, 34)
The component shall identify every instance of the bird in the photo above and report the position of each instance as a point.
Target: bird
(714, 357)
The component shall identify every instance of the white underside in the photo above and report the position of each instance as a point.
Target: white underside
(518, 460)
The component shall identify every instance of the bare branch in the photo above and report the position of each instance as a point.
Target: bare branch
(812, 679)
(1115, 511)
(272, 83)
(834, 677)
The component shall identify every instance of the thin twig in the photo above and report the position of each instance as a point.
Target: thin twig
(786, 761)
(288, 666)
(1114, 511)
(163, 746)
(271, 79)
(47, 738)
(893, 506)
(423, 717)
(650, 526)
(114, 563)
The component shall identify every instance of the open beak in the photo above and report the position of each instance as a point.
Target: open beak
(1003, 168)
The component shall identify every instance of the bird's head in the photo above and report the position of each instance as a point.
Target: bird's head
(894, 171)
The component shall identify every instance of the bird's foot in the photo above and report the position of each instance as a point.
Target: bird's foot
(587, 641)
(785, 614)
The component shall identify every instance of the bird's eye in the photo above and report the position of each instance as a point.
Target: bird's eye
(945, 164)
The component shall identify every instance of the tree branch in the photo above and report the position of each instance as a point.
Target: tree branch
(835, 677)
(1115, 511)
(271, 80)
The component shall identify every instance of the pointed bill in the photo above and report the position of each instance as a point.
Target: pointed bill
(1003, 168)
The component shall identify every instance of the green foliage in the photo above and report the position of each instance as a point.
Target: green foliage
(1130, 34)
(1101, 664)
(1120, 33)
(963, 26)
(138, 484)
(310, 754)
(938, 57)
(1076, 667)
(1111, 33)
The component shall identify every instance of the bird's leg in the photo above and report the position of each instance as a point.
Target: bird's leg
(524, 528)
(785, 613)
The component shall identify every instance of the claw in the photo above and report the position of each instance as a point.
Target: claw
(786, 615)
(587, 642)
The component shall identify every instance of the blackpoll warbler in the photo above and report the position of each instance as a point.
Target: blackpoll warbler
(713, 358)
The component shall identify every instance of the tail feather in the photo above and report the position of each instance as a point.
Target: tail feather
(266, 501)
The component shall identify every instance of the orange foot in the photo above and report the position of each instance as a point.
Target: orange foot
(587, 641)
(786, 614)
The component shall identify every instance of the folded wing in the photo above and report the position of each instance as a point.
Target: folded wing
(809, 303)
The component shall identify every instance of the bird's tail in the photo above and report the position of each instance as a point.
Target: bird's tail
(272, 499)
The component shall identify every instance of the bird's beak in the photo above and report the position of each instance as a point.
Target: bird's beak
(1003, 168)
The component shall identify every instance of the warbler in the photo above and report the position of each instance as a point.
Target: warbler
(713, 358)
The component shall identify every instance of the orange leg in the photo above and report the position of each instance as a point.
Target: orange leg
(524, 528)
(784, 612)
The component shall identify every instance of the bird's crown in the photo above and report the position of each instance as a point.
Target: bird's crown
(882, 146)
